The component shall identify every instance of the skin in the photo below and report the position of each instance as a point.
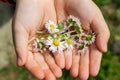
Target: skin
(88, 63)
(30, 18)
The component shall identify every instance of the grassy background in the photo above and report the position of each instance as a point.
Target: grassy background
(110, 68)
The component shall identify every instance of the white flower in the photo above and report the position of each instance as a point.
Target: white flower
(90, 38)
(39, 45)
(51, 27)
(35, 45)
(64, 29)
(74, 19)
(55, 45)
(64, 35)
(81, 47)
(69, 44)
(82, 51)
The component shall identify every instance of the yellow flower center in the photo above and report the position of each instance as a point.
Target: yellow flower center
(56, 42)
(52, 26)
(69, 41)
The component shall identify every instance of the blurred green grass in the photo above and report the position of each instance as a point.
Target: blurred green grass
(110, 67)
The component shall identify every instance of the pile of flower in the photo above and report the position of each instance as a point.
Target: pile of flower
(64, 35)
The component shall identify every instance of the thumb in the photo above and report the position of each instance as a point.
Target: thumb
(100, 27)
(20, 39)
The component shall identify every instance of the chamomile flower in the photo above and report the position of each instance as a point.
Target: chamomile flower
(64, 35)
(79, 29)
(90, 38)
(73, 20)
(62, 27)
(81, 47)
(55, 45)
(35, 45)
(39, 45)
(82, 51)
(69, 43)
(51, 27)
(48, 41)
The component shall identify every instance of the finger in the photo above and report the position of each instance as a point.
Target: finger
(51, 63)
(61, 16)
(101, 29)
(59, 58)
(20, 39)
(68, 58)
(49, 75)
(40, 60)
(75, 63)
(60, 10)
(84, 65)
(95, 60)
(33, 67)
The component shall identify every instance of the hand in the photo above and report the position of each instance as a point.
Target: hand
(30, 16)
(91, 18)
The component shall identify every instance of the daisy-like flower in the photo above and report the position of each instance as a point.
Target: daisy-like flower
(64, 35)
(51, 27)
(73, 20)
(55, 45)
(69, 43)
(79, 29)
(82, 51)
(81, 47)
(90, 38)
(62, 27)
(35, 45)
(39, 45)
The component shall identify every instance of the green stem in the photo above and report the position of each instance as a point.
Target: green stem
(43, 34)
